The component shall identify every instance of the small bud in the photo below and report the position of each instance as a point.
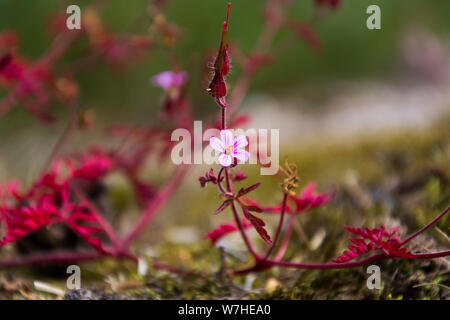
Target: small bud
(218, 88)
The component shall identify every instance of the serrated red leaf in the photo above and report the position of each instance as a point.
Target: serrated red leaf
(244, 191)
(50, 200)
(258, 224)
(370, 240)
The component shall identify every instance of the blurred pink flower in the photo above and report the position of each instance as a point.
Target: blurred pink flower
(169, 79)
(230, 148)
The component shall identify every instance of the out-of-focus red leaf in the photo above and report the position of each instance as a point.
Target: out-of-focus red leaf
(244, 191)
(223, 206)
(222, 230)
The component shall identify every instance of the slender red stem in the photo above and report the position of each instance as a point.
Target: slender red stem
(280, 226)
(229, 187)
(237, 219)
(59, 256)
(286, 239)
(219, 182)
(224, 117)
(65, 135)
(158, 201)
(271, 263)
(415, 234)
(243, 233)
(104, 224)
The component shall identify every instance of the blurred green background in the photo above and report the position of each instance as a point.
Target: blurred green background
(350, 49)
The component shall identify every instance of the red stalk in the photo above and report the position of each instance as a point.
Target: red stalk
(101, 221)
(159, 200)
(269, 263)
(286, 238)
(280, 226)
(415, 234)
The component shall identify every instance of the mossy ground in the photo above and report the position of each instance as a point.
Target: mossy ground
(401, 179)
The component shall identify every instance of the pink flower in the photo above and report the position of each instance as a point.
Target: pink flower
(169, 79)
(230, 148)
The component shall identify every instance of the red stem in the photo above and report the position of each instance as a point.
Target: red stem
(415, 234)
(243, 233)
(359, 263)
(286, 238)
(229, 186)
(101, 221)
(60, 256)
(158, 201)
(224, 117)
(270, 263)
(280, 226)
(65, 135)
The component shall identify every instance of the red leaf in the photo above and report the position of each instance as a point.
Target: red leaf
(84, 223)
(254, 208)
(50, 200)
(269, 209)
(258, 224)
(243, 191)
(309, 199)
(222, 230)
(370, 240)
(223, 206)
(23, 220)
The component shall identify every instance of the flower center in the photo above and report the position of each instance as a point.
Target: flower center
(228, 149)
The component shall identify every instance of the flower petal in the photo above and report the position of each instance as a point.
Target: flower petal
(240, 142)
(217, 144)
(169, 79)
(227, 137)
(241, 155)
(225, 160)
